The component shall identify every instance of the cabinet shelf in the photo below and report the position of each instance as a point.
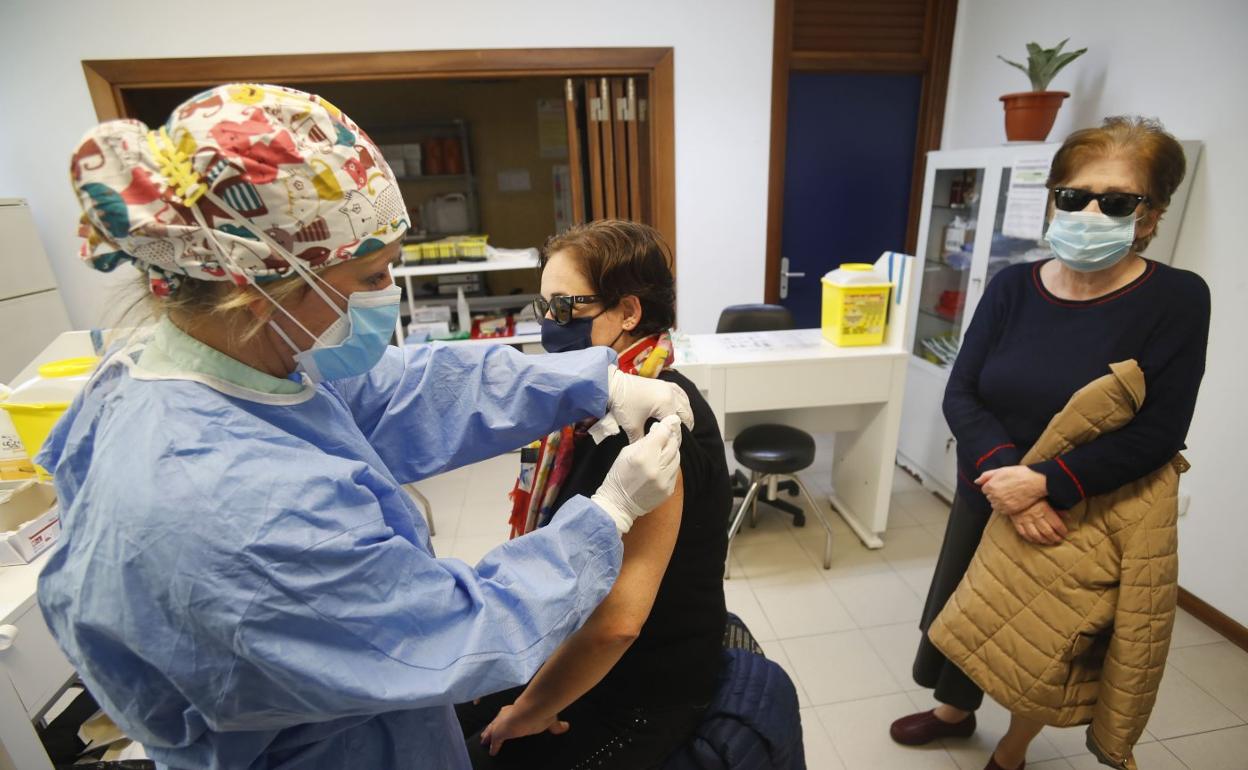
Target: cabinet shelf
(939, 264)
(435, 178)
(488, 266)
(519, 339)
(491, 302)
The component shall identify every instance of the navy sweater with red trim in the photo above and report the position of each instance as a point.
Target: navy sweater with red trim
(1026, 352)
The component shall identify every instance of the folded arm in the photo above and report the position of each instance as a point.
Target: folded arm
(1173, 362)
(589, 654)
(982, 440)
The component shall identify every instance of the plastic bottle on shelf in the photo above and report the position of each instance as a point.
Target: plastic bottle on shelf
(955, 236)
(461, 305)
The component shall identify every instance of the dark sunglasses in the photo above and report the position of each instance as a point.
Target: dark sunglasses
(1113, 204)
(560, 306)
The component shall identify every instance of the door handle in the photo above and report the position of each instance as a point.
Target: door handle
(8, 634)
(785, 275)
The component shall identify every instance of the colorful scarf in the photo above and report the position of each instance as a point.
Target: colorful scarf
(545, 464)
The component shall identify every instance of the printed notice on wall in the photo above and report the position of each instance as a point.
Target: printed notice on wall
(1026, 201)
(552, 128)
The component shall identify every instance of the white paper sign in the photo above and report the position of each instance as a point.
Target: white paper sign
(1027, 199)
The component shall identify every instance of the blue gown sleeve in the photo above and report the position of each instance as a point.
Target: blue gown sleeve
(364, 622)
(431, 408)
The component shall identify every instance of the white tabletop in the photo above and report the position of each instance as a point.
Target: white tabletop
(17, 587)
(768, 347)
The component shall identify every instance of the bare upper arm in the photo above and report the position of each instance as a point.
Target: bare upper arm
(648, 548)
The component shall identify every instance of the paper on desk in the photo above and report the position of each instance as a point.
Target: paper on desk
(1026, 202)
(742, 345)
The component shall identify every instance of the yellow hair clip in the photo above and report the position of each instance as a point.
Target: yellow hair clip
(175, 166)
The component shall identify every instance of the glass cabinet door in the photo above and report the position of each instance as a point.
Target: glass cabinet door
(947, 263)
(1010, 249)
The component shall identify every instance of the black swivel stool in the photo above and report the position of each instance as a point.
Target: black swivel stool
(772, 453)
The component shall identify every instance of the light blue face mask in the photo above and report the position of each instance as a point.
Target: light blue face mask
(351, 345)
(1088, 241)
(355, 342)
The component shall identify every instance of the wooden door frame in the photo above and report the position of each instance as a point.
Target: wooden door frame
(932, 64)
(108, 81)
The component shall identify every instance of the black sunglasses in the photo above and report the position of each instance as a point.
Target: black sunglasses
(1113, 204)
(560, 306)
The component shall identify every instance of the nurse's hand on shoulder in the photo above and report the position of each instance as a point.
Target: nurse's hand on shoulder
(642, 476)
(1040, 524)
(634, 400)
(513, 722)
(1013, 489)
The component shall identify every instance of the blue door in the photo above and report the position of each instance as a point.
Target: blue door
(848, 164)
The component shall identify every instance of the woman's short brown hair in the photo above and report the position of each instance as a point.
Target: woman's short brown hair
(620, 258)
(1143, 140)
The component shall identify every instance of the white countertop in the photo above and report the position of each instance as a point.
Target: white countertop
(17, 587)
(768, 347)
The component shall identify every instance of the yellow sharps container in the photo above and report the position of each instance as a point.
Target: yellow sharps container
(855, 305)
(36, 405)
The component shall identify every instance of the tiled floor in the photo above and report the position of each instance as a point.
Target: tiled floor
(847, 636)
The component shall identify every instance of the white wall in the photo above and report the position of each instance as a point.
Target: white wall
(722, 83)
(1187, 64)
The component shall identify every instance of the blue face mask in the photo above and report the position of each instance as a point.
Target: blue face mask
(1088, 241)
(354, 343)
(575, 335)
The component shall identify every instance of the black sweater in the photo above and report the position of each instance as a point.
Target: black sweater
(1026, 352)
(677, 657)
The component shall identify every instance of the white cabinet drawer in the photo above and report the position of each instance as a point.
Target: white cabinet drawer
(34, 663)
(808, 384)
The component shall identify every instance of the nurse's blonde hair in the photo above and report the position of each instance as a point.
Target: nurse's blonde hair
(217, 302)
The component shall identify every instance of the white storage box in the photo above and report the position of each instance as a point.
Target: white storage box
(30, 521)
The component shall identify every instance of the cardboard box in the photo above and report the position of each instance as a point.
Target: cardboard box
(30, 521)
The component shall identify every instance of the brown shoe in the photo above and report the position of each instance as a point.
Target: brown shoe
(992, 764)
(925, 727)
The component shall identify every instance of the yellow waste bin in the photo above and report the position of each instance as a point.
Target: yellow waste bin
(855, 305)
(35, 405)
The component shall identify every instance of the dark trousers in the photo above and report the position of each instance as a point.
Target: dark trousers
(601, 736)
(931, 668)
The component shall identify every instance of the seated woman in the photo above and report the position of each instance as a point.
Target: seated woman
(632, 684)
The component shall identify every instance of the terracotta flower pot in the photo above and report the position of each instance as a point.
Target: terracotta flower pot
(1029, 115)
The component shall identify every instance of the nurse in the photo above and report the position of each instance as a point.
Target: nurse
(242, 582)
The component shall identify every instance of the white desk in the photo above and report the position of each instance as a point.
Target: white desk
(33, 672)
(797, 378)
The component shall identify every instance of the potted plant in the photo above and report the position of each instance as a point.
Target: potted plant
(1029, 115)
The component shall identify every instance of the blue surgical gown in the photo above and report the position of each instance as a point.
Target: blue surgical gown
(242, 583)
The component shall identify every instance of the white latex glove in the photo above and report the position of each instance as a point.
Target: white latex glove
(642, 476)
(632, 401)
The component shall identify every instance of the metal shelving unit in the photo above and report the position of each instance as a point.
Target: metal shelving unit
(466, 182)
(496, 302)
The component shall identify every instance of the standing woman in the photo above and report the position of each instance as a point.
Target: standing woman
(242, 581)
(1041, 332)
